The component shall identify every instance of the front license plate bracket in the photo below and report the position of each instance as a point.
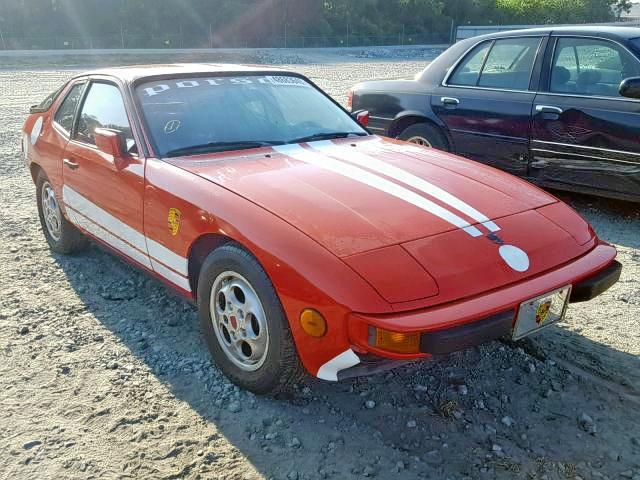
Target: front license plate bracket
(540, 312)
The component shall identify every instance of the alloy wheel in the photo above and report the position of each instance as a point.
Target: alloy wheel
(239, 321)
(51, 211)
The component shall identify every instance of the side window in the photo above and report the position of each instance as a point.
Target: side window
(510, 63)
(505, 63)
(103, 107)
(67, 109)
(587, 66)
(468, 71)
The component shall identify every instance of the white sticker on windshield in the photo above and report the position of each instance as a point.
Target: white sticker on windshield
(277, 80)
(286, 80)
(187, 84)
(171, 126)
(151, 91)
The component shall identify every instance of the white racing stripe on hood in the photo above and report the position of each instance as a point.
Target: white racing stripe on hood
(516, 258)
(367, 161)
(374, 181)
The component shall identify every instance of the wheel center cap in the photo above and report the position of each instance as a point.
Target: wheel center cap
(234, 321)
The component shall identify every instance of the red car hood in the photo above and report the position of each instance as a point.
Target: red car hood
(357, 195)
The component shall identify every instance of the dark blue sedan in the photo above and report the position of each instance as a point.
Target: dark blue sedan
(547, 104)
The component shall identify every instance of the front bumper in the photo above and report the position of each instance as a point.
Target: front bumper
(593, 286)
(489, 316)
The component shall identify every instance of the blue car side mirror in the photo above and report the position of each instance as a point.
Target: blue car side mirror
(630, 87)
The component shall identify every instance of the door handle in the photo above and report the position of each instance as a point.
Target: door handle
(538, 164)
(449, 101)
(548, 109)
(68, 163)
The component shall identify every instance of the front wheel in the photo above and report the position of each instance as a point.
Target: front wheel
(244, 324)
(426, 135)
(60, 234)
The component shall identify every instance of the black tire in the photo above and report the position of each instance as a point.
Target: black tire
(281, 368)
(68, 238)
(431, 135)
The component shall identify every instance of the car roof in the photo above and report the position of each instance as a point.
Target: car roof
(132, 73)
(605, 31)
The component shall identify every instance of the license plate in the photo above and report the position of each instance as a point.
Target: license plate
(540, 312)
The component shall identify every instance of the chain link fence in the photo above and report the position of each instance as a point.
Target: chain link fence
(205, 40)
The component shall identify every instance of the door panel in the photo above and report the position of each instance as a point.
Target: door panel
(105, 200)
(486, 102)
(488, 126)
(591, 142)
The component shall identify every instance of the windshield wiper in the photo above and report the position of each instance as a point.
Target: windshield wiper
(219, 147)
(325, 136)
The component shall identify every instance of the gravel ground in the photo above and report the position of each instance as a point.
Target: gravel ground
(103, 372)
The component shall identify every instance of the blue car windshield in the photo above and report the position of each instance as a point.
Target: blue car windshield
(188, 116)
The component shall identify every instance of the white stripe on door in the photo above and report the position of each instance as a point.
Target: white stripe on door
(374, 181)
(125, 239)
(170, 275)
(352, 156)
(169, 258)
(107, 237)
(107, 221)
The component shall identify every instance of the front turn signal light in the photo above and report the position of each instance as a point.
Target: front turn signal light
(313, 323)
(398, 342)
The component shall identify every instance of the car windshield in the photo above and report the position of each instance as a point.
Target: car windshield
(187, 116)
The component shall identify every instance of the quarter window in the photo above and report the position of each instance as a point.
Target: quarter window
(468, 71)
(507, 64)
(588, 66)
(46, 103)
(103, 108)
(67, 109)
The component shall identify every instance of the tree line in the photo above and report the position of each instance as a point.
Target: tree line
(221, 20)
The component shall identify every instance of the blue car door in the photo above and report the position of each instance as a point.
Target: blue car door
(585, 136)
(485, 100)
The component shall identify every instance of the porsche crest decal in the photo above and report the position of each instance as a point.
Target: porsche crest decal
(173, 220)
(542, 312)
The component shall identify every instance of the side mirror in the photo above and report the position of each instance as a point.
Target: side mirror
(112, 143)
(630, 87)
(362, 117)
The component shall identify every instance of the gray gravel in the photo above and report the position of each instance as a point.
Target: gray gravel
(103, 372)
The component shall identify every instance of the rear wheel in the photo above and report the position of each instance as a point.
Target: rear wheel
(60, 234)
(244, 324)
(426, 135)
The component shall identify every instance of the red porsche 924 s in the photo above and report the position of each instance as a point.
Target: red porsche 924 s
(307, 243)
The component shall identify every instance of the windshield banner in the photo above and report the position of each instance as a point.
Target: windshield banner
(160, 87)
